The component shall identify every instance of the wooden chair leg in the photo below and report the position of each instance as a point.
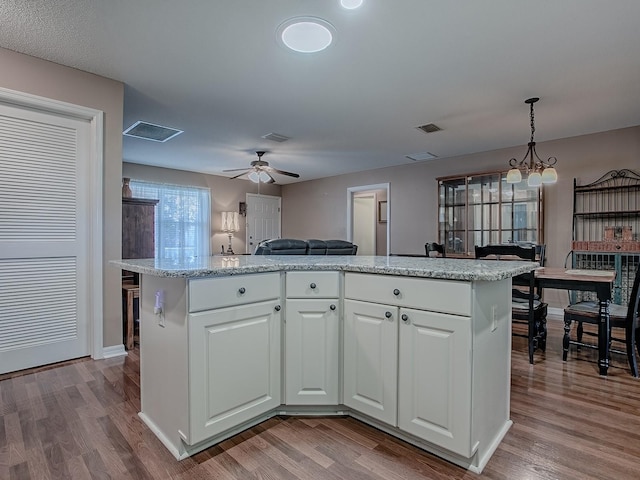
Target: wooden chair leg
(631, 349)
(532, 339)
(566, 339)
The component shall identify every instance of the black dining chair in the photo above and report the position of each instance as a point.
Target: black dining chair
(434, 247)
(624, 317)
(527, 306)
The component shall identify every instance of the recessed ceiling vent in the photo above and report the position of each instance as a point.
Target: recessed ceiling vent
(149, 131)
(419, 157)
(276, 137)
(429, 128)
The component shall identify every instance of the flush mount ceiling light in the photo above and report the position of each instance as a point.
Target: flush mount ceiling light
(306, 34)
(351, 4)
(538, 170)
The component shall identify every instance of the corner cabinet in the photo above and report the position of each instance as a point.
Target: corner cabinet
(606, 229)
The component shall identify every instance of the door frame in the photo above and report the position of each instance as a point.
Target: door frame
(354, 190)
(95, 180)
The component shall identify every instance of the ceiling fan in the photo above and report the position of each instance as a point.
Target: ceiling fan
(260, 171)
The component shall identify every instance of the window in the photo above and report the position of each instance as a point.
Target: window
(485, 209)
(182, 221)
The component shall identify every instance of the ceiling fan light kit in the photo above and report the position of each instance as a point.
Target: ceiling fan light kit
(260, 171)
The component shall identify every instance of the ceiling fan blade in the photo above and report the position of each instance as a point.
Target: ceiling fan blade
(239, 175)
(236, 169)
(271, 179)
(282, 172)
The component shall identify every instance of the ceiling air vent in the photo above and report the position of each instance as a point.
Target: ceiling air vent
(418, 157)
(429, 128)
(149, 131)
(276, 137)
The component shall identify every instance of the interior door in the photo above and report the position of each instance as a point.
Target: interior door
(44, 238)
(364, 224)
(263, 219)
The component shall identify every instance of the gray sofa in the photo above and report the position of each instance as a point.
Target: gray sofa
(293, 246)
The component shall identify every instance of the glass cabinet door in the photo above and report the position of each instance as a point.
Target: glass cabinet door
(484, 209)
(452, 213)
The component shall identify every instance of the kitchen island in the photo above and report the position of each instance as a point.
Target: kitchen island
(418, 347)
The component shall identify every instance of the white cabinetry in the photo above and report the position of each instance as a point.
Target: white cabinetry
(429, 386)
(210, 363)
(425, 359)
(371, 359)
(234, 352)
(234, 367)
(434, 378)
(312, 336)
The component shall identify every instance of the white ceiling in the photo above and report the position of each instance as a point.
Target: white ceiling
(214, 69)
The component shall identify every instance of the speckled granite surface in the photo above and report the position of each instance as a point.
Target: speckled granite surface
(445, 268)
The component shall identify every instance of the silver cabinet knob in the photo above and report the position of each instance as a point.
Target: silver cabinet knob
(332, 306)
(388, 314)
(312, 286)
(405, 317)
(396, 292)
(277, 308)
(242, 290)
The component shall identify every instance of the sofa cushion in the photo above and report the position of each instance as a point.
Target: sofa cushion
(341, 247)
(282, 246)
(316, 247)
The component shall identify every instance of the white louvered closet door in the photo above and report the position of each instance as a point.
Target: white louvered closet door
(44, 238)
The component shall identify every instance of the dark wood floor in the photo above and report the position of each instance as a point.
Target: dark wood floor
(78, 420)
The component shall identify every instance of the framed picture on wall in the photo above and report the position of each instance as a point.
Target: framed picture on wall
(382, 211)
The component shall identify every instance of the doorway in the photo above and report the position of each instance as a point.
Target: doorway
(368, 218)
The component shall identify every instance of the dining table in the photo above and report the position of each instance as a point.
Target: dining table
(598, 281)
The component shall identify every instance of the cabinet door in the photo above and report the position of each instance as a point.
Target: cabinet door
(435, 379)
(370, 359)
(312, 353)
(234, 367)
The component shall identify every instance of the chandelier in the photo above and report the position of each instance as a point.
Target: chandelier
(537, 170)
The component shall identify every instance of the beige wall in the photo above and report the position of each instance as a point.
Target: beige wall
(39, 77)
(225, 196)
(413, 193)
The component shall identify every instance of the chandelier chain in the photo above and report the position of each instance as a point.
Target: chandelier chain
(533, 125)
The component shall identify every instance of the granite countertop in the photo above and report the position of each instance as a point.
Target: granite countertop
(444, 268)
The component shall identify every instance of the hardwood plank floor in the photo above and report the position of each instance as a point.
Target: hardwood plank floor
(78, 420)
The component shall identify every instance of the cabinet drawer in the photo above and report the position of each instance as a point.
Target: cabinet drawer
(208, 293)
(437, 295)
(312, 284)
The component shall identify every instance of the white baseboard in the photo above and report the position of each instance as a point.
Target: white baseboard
(113, 351)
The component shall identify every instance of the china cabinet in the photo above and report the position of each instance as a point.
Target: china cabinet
(484, 209)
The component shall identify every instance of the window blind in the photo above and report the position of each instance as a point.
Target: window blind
(182, 219)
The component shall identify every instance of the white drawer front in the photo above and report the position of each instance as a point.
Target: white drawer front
(437, 295)
(209, 293)
(312, 284)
